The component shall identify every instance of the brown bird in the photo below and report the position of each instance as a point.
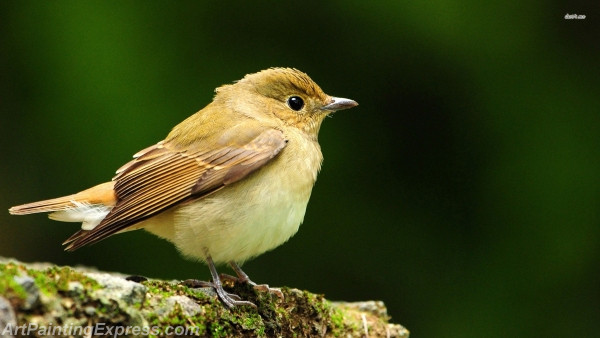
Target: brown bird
(227, 184)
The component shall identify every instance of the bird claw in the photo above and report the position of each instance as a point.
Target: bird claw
(258, 287)
(230, 278)
(265, 288)
(230, 299)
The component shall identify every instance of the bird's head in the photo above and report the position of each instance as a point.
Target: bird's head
(286, 93)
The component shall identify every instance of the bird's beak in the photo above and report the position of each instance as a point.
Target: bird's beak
(338, 103)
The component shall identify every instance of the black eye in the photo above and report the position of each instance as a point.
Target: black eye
(295, 102)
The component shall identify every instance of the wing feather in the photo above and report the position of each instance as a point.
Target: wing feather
(162, 176)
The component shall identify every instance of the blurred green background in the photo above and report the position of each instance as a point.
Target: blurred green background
(463, 191)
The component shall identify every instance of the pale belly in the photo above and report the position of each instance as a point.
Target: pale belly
(243, 220)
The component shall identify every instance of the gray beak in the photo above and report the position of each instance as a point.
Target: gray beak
(338, 103)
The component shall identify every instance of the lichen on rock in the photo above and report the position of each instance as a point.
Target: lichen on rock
(43, 297)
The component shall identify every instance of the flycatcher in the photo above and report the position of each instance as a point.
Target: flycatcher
(228, 183)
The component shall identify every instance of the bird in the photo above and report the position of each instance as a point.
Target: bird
(227, 184)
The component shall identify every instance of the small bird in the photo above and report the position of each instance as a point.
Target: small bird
(229, 183)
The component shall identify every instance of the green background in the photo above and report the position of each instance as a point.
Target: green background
(463, 191)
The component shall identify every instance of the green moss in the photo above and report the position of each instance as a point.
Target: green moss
(67, 304)
(215, 319)
(160, 288)
(337, 318)
(343, 321)
(8, 286)
(159, 292)
(300, 314)
(49, 281)
(57, 279)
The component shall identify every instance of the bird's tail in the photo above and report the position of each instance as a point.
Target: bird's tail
(89, 206)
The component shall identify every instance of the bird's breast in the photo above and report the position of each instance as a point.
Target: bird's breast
(253, 215)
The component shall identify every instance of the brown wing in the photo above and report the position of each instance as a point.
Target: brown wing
(161, 176)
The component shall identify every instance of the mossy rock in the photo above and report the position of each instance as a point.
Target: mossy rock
(41, 298)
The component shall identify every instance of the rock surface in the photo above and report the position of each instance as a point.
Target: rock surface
(44, 300)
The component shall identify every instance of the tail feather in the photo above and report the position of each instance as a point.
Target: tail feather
(54, 204)
(102, 194)
(89, 215)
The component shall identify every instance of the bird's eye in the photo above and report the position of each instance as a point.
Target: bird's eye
(295, 102)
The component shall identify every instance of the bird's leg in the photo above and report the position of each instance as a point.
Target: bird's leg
(231, 300)
(242, 277)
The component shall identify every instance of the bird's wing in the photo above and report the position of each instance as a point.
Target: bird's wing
(162, 176)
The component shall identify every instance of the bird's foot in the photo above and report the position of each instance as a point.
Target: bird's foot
(266, 288)
(258, 287)
(230, 299)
